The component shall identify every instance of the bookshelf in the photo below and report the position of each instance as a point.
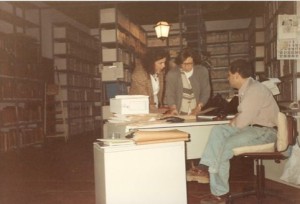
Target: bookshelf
(76, 61)
(21, 79)
(225, 46)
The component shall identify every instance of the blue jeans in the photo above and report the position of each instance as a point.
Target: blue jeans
(218, 151)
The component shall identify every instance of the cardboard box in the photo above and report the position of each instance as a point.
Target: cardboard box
(108, 15)
(106, 114)
(260, 51)
(114, 72)
(61, 48)
(130, 104)
(109, 35)
(61, 63)
(60, 32)
(111, 54)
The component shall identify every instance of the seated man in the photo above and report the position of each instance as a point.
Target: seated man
(253, 124)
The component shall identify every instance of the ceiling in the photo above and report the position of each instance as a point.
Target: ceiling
(150, 12)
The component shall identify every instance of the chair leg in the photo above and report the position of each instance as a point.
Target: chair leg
(260, 185)
(260, 190)
(260, 180)
(256, 191)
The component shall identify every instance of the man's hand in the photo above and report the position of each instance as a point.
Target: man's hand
(232, 121)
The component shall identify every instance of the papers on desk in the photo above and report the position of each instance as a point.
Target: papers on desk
(147, 137)
(123, 118)
(207, 117)
(115, 142)
(119, 118)
(211, 117)
(230, 116)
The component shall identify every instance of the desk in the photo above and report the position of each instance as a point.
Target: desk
(133, 174)
(199, 132)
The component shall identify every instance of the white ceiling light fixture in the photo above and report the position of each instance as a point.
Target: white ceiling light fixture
(162, 29)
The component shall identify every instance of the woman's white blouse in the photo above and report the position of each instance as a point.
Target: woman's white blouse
(155, 87)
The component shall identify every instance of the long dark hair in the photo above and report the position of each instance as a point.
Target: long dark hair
(151, 56)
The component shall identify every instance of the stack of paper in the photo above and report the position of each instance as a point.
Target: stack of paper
(123, 118)
(149, 137)
(272, 85)
(116, 142)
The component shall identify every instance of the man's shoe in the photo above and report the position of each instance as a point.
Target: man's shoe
(196, 174)
(212, 199)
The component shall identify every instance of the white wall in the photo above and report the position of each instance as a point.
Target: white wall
(274, 171)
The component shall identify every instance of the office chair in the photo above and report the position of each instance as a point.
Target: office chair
(286, 135)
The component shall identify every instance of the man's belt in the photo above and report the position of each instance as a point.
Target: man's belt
(256, 125)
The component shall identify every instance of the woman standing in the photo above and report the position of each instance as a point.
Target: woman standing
(148, 78)
(187, 85)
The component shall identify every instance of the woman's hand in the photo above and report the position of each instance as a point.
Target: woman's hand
(172, 110)
(162, 110)
(197, 110)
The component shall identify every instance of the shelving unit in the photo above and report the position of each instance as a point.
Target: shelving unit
(21, 80)
(20, 17)
(192, 27)
(282, 69)
(97, 108)
(225, 47)
(21, 93)
(257, 46)
(76, 61)
(121, 43)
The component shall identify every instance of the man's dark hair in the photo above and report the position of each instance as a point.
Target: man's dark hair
(241, 66)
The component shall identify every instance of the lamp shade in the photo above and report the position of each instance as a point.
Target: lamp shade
(162, 29)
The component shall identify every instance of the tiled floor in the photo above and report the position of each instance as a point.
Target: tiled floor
(63, 173)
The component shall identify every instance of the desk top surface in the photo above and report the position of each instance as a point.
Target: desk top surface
(191, 122)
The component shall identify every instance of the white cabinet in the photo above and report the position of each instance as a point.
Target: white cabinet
(140, 174)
